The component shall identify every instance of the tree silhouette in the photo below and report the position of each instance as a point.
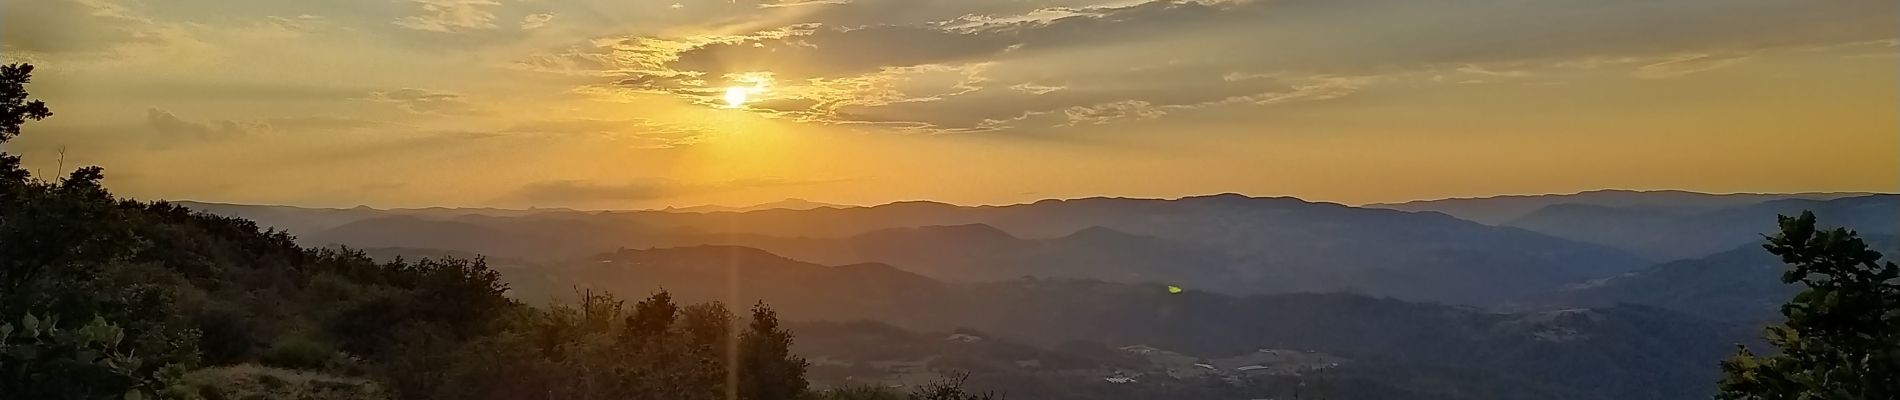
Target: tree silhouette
(15, 109)
(768, 369)
(1841, 339)
(651, 318)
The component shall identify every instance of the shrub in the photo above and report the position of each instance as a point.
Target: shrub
(298, 353)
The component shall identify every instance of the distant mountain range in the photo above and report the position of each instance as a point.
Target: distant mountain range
(1443, 268)
(1665, 233)
(1230, 243)
(305, 220)
(735, 275)
(1631, 296)
(979, 252)
(1498, 210)
(1623, 352)
(1227, 243)
(787, 204)
(1742, 285)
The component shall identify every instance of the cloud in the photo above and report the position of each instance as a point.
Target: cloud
(285, 28)
(1494, 72)
(426, 101)
(234, 90)
(80, 26)
(1361, 35)
(858, 13)
(172, 128)
(1110, 112)
(450, 16)
(1300, 89)
(397, 144)
(536, 21)
(1680, 66)
(563, 192)
(834, 52)
(1079, 111)
(637, 132)
(320, 123)
(799, 3)
(1093, 98)
(1033, 88)
(1000, 65)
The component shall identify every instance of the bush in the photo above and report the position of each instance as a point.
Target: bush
(298, 353)
(950, 388)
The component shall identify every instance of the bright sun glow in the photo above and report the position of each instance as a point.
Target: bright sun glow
(736, 96)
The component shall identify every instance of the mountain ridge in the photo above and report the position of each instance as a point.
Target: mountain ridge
(1537, 346)
(1503, 208)
(1232, 243)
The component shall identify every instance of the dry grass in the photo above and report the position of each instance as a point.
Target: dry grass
(249, 381)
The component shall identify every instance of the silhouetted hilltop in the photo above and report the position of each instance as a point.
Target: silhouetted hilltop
(1498, 210)
(787, 204)
(1232, 243)
(1615, 352)
(1742, 284)
(1664, 233)
(305, 220)
(734, 275)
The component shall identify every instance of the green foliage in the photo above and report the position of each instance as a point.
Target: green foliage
(69, 248)
(951, 388)
(1841, 339)
(458, 299)
(41, 359)
(597, 348)
(298, 352)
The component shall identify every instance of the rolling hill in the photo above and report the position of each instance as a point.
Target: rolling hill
(1671, 233)
(1742, 285)
(1498, 210)
(1624, 352)
(1231, 243)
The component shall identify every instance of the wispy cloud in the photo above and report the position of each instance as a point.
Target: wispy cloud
(450, 16)
(639, 132)
(1679, 66)
(88, 27)
(835, 66)
(426, 101)
(536, 21)
(173, 129)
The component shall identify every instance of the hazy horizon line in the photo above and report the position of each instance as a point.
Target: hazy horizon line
(830, 204)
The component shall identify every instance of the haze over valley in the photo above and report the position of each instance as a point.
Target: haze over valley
(1373, 290)
(949, 199)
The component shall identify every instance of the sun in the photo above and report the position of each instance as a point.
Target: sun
(736, 96)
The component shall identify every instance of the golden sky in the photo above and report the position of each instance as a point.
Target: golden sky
(622, 103)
